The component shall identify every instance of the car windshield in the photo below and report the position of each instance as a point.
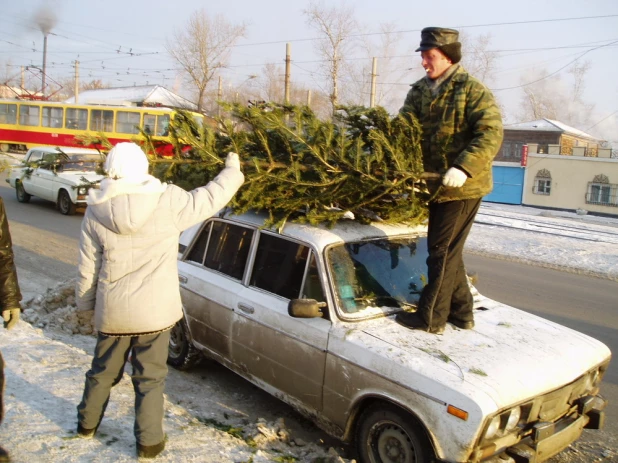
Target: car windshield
(378, 276)
(82, 162)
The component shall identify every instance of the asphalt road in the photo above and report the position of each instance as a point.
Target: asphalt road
(46, 250)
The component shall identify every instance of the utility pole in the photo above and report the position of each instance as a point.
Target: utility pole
(44, 65)
(288, 54)
(76, 81)
(374, 70)
(309, 98)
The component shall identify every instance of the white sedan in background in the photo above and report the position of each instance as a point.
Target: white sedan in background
(61, 175)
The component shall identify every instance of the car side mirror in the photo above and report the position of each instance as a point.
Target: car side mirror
(305, 308)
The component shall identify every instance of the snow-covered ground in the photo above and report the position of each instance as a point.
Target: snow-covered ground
(46, 364)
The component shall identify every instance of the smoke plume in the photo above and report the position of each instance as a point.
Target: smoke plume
(45, 19)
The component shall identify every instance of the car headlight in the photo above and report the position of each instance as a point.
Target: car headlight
(493, 428)
(82, 191)
(503, 423)
(513, 419)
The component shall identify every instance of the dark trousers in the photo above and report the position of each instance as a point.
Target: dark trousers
(447, 291)
(148, 360)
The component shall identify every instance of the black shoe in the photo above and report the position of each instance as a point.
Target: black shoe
(85, 433)
(464, 325)
(414, 321)
(150, 451)
(4, 455)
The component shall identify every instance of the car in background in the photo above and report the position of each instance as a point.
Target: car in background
(307, 313)
(61, 175)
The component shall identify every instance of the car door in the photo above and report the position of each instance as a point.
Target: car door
(29, 177)
(211, 273)
(45, 177)
(286, 353)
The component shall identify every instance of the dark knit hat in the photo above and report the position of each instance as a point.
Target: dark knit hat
(446, 40)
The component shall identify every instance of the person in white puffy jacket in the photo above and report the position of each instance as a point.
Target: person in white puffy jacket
(127, 274)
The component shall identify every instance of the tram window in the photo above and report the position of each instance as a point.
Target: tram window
(29, 115)
(163, 123)
(150, 120)
(8, 113)
(127, 122)
(52, 117)
(101, 120)
(77, 119)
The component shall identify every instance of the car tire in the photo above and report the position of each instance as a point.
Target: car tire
(387, 434)
(21, 194)
(182, 355)
(65, 204)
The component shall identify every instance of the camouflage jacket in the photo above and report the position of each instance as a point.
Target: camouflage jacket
(462, 127)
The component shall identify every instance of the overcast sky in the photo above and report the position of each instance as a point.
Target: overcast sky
(122, 42)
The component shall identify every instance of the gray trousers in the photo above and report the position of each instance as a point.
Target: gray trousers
(148, 360)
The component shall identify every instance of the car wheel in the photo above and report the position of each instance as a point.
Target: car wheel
(21, 194)
(65, 204)
(387, 434)
(182, 355)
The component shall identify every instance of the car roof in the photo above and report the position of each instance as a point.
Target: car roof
(65, 149)
(322, 236)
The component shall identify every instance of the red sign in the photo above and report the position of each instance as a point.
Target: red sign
(524, 155)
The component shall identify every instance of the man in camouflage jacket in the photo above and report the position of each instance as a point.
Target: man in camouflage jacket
(461, 135)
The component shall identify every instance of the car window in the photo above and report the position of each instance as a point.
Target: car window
(223, 247)
(312, 288)
(35, 156)
(279, 266)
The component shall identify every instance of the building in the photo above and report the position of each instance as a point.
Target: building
(141, 95)
(548, 164)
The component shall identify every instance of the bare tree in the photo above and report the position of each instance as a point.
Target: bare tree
(477, 58)
(336, 25)
(202, 48)
(391, 87)
(550, 96)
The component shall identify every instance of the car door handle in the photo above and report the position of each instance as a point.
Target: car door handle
(246, 308)
(182, 278)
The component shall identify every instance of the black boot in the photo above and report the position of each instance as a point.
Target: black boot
(464, 325)
(150, 451)
(85, 433)
(4, 455)
(414, 321)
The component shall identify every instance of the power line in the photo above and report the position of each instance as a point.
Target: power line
(555, 72)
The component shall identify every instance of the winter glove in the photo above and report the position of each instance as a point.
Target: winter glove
(232, 160)
(11, 317)
(454, 177)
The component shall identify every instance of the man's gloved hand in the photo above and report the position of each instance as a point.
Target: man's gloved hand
(232, 160)
(11, 317)
(454, 177)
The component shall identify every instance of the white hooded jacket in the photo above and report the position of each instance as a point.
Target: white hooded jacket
(127, 270)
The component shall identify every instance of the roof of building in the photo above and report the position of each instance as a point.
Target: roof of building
(148, 95)
(548, 125)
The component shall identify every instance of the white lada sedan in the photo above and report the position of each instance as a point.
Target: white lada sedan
(308, 314)
(61, 175)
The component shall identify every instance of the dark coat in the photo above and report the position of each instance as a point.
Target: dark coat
(462, 127)
(10, 295)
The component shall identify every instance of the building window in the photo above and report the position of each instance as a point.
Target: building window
(601, 192)
(542, 183)
(511, 151)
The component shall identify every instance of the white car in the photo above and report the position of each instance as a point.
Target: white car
(61, 175)
(308, 314)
